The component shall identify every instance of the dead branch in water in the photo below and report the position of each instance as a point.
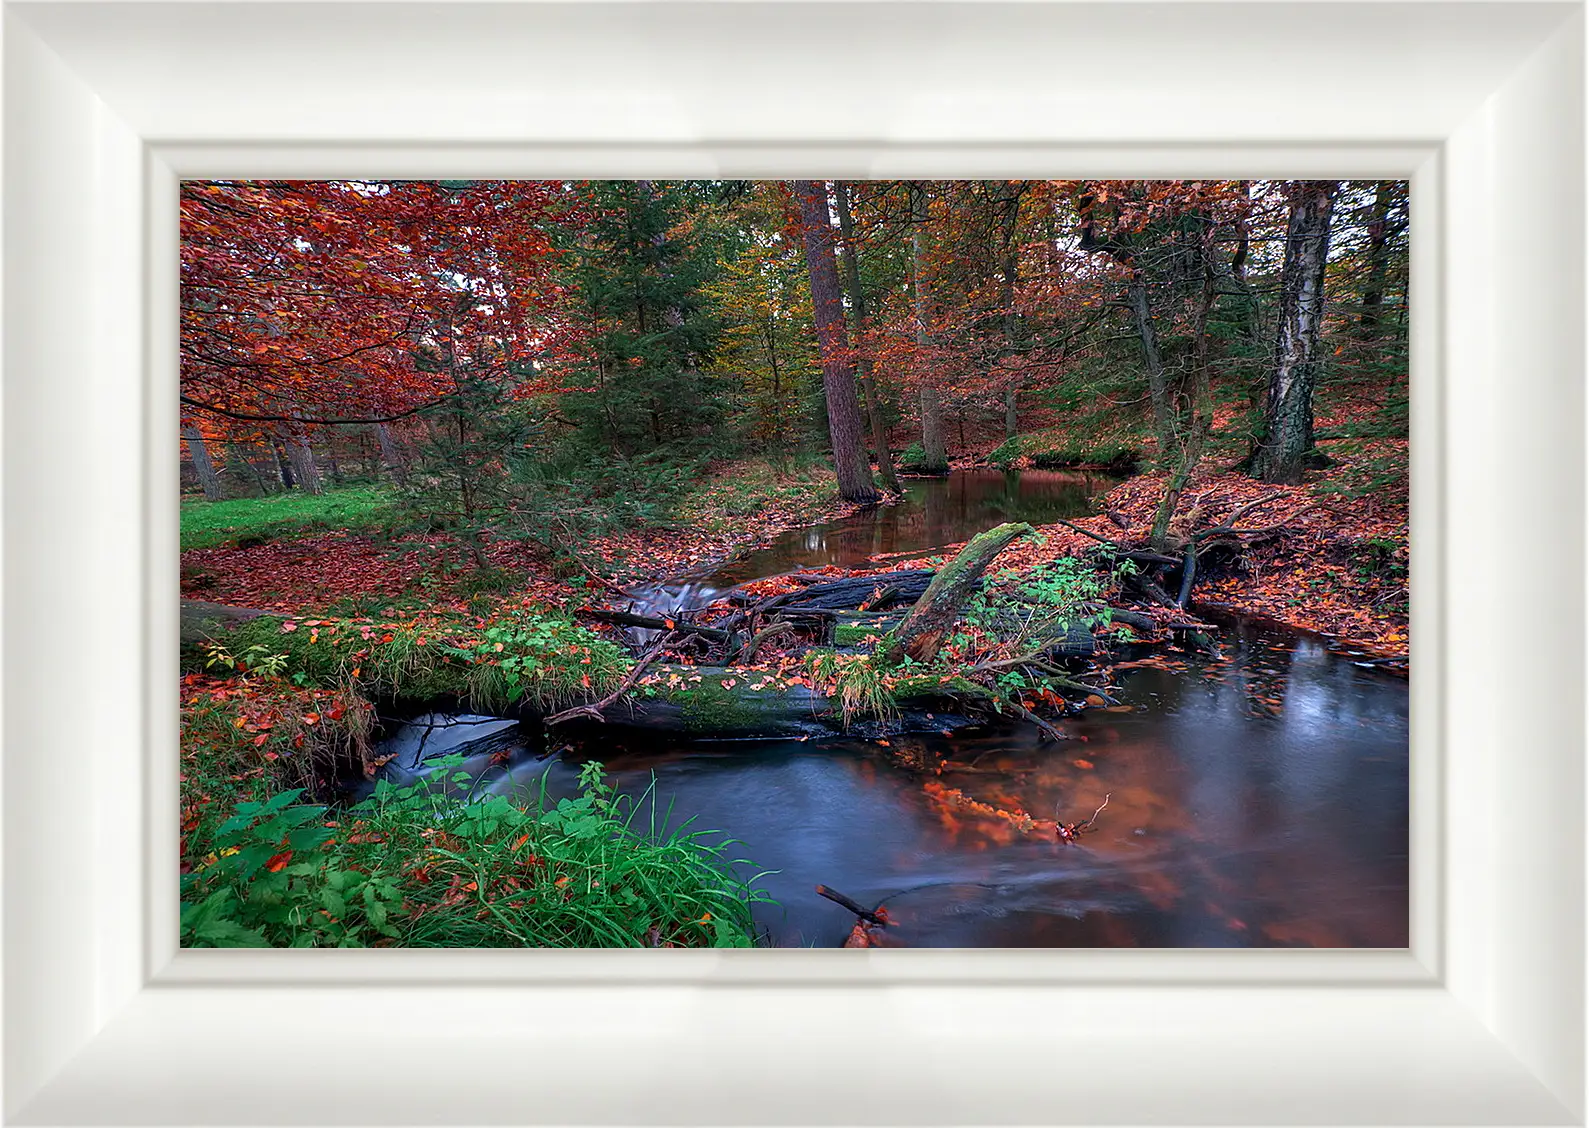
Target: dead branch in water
(593, 710)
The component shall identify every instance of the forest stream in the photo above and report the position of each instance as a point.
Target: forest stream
(1256, 799)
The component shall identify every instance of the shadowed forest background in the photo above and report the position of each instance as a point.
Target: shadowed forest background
(995, 562)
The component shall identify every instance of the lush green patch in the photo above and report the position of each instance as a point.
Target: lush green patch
(746, 489)
(520, 656)
(1008, 452)
(914, 461)
(206, 524)
(417, 867)
(1059, 450)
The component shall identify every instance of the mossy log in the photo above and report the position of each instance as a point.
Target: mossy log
(202, 622)
(732, 703)
(922, 633)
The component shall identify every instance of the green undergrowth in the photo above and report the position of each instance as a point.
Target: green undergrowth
(416, 867)
(913, 460)
(208, 524)
(856, 682)
(1056, 450)
(519, 657)
(745, 489)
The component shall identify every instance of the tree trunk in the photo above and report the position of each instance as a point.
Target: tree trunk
(199, 455)
(301, 454)
(1158, 388)
(248, 463)
(863, 366)
(283, 463)
(1287, 434)
(391, 455)
(1378, 261)
(1191, 451)
(838, 379)
(922, 633)
(935, 458)
(1012, 321)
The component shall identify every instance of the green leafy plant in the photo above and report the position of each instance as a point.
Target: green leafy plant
(432, 865)
(256, 658)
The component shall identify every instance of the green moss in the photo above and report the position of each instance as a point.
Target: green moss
(854, 634)
(708, 707)
(1006, 453)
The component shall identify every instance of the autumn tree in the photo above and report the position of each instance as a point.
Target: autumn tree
(303, 303)
(765, 356)
(859, 307)
(838, 377)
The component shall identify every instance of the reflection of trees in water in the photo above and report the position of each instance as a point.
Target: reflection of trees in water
(934, 512)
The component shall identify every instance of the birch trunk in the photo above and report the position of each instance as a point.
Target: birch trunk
(1287, 435)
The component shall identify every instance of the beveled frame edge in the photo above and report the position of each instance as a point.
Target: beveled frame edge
(167, 164)
(1521, 1052)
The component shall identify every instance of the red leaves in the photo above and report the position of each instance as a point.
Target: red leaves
(290, 575)
(283, 281)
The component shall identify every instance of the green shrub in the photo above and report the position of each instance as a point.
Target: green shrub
(413, 866)
(523, 655)
(1006, 453)
(913, 460)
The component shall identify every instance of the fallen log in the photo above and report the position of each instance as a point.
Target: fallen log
(734, 703)
(201, 622)
(922, 633)
(848, 594)
(651, 622)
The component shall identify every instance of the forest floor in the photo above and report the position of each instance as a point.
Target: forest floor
(283, 553)
(1328, 556)
(1339, 569)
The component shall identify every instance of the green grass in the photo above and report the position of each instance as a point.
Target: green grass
(206, 524)
(522, 656)
(720, 502)
(419, 867)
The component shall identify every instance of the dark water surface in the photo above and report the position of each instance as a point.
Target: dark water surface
(934, 512)
(1256, 800)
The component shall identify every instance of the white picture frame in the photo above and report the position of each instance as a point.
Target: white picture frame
(107, 104)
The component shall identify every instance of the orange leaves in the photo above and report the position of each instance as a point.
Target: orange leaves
(284, 280)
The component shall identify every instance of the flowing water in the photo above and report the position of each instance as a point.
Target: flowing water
(1258, 799)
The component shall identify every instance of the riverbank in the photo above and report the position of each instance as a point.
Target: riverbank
(276, 555)
(992, 785)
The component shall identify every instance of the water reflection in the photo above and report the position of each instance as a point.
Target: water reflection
(933, 513)
(1230, 823)
(1260, 800)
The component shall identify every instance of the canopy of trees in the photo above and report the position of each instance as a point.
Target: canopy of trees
(494, 344)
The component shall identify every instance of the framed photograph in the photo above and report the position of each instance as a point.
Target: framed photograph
(407, 407)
